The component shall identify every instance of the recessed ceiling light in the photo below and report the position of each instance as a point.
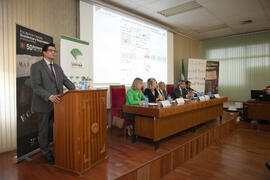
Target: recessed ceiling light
(180, 9)
(212, 28)
(249, 21)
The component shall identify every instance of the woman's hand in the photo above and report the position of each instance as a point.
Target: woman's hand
(160, 97)
(190, 95)
(142, 102)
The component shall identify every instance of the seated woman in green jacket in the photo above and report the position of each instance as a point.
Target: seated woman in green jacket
(134, 97)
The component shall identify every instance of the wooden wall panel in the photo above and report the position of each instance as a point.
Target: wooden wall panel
(155, 170)
(144, 172)
(172, 159)
(187, 151)
(178, 156)
(200, 143)
(165, 164)
(130, 176)
(184, 48)
(193, 145)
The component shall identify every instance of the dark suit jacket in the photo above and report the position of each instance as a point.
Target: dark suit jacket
(266, 97)
(177, 93)
(149, 94)
(43, 85)
(164, 94)
(190, 89)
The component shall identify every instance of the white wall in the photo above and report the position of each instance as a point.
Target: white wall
(86, 29)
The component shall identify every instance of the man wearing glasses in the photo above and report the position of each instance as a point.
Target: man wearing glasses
(47, 80)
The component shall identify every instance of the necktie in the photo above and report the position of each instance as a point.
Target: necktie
(162, 94)
(53, 75)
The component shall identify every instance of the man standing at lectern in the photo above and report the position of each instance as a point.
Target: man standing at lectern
(47, 80)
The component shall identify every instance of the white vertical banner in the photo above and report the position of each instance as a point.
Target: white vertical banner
(75, 60)
(196, 74)
(170, 56)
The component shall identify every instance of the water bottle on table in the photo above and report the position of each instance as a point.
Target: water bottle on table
(146, 101)
(84, 83)
(170, 99)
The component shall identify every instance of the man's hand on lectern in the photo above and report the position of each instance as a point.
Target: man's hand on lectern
(55, 99)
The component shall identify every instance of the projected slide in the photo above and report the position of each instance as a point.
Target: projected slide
(125, 48)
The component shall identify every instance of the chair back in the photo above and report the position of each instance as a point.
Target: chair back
(117, 99)
(142, 89)
(169, 88)
(117, 96)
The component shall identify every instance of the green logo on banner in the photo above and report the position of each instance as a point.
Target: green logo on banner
(75, 52)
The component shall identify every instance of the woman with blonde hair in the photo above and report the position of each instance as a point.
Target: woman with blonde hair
(152, 91)
(134, 97)
(134, 94)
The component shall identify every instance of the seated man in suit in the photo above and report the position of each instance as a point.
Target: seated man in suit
(151, 91)
(180, 90)
(188, 87)
(47, 81)
(162, 90)
(266, 94)
(267, 164)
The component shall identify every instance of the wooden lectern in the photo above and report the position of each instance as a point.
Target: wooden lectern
(80, 123)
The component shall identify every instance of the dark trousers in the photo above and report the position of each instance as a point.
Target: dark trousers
(44, 133)
(132, 118)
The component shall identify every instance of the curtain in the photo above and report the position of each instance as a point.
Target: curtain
(244, 63)
(7, 80)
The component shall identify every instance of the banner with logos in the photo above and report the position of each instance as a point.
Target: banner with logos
(196, 74)
(211, 78)
(75, 59)
(29, 45)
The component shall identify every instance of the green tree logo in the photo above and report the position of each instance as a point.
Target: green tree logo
(75, 52)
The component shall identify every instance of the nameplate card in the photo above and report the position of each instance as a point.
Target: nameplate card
(207, 98)
(238, 105)
(180, 101)
(202, 98)
(232, 108)
(165, 103)
(153, 104)
(216, 95)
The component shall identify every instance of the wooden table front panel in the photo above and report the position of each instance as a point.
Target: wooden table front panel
(259, 110)
(159, 123)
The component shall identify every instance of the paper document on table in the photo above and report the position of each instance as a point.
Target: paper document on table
(180, 101)
(153, 104)
(239, 105)
(165, 103)
(232, 108)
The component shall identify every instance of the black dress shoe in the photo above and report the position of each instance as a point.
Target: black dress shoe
(50, 159)
(267, 164)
